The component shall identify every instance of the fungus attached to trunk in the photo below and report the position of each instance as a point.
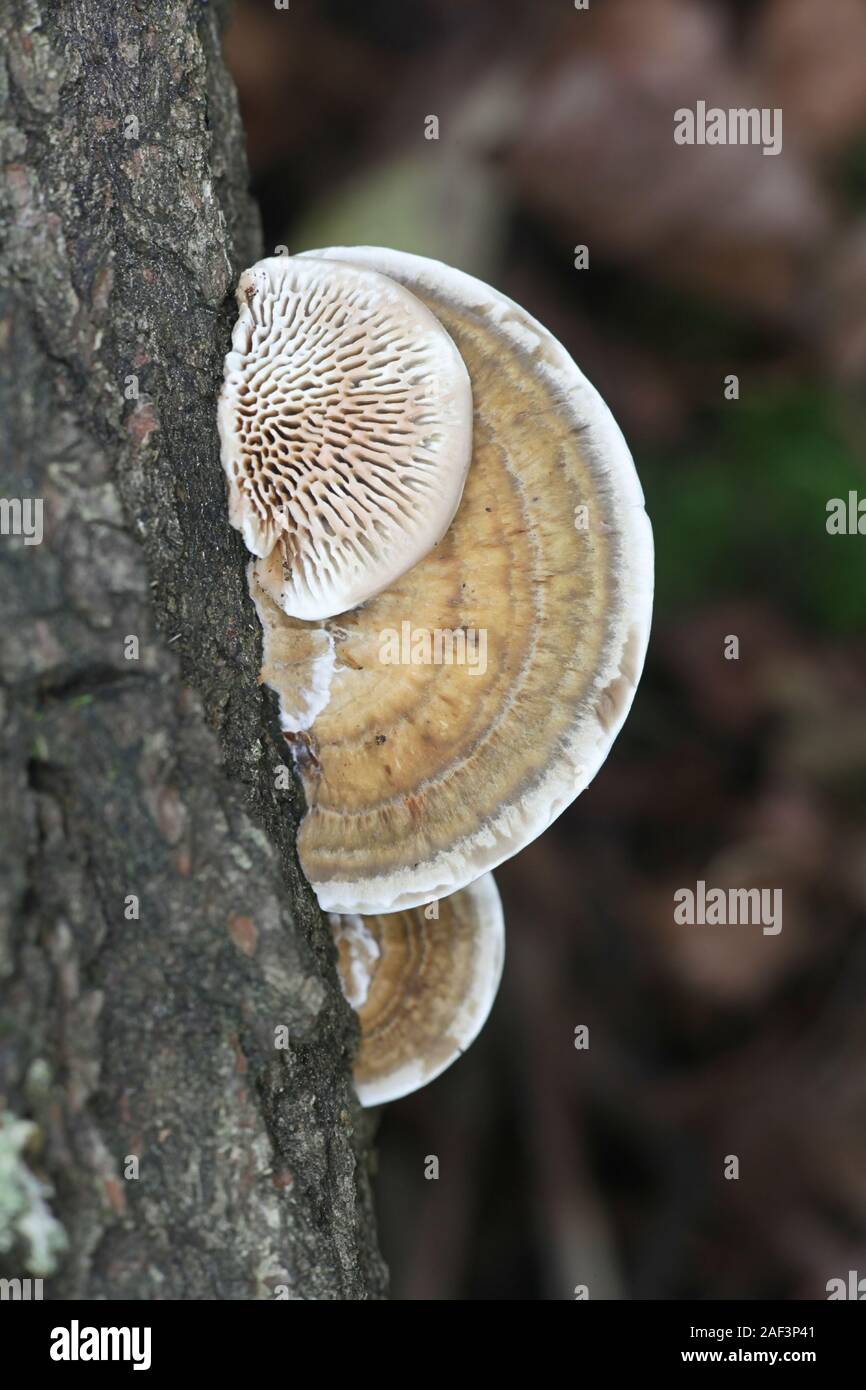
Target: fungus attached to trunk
(422, 986)
(345, 423)
(446, 722)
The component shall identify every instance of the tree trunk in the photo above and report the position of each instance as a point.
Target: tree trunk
(156, 933)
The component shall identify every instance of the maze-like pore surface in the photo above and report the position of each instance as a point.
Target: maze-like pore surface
(345, 421)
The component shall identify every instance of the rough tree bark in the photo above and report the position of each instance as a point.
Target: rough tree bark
(126, 220)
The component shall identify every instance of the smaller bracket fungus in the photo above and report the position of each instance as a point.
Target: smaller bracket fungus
(345, 423)
(422, 986)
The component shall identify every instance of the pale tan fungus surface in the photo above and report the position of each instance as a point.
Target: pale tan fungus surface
(427, 775)
(422, 987)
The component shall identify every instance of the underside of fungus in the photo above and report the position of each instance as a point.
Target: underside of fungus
(345, 424)
(446, 722)
(422, 982)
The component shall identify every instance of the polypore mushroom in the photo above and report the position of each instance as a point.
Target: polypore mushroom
(345, 423)
(448, 721)
(422, 982)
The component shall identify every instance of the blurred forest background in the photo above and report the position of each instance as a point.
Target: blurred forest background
(605, 1167)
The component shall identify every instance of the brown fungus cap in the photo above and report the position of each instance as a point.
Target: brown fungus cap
(345, 424)
(422, 982)
(450, 719)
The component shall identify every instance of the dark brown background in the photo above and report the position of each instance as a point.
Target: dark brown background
(605, 1167)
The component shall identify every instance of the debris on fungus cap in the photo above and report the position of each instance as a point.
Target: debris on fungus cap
(423, 770)
(422, 986)
(345, 423)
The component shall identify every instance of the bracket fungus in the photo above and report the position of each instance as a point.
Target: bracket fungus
(422, 986)
(424, 766)
(345, 424)
(444, 700)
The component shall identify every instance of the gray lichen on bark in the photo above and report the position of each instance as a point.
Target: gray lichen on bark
(125, 223)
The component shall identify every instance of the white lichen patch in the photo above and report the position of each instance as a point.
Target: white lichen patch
(26, 1220)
